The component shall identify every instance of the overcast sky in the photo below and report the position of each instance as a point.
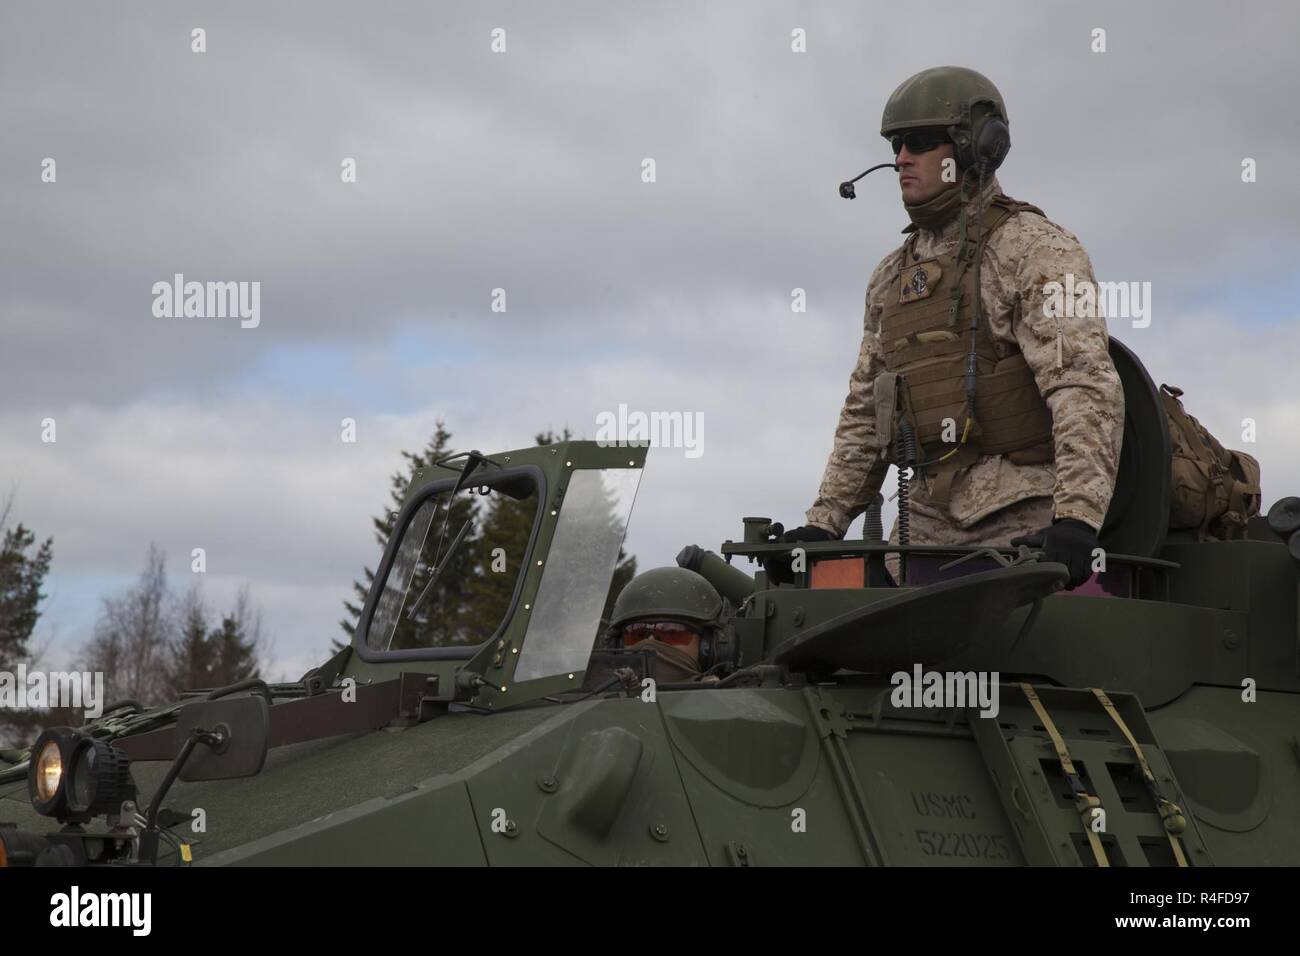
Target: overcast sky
(522, 171)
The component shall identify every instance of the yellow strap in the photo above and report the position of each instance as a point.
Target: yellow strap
(1171, 815)
(1084, 802)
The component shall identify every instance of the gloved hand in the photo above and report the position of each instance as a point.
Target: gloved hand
(1065, 541)
(780, 567)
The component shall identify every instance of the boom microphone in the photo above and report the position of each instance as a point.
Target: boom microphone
(846, 189)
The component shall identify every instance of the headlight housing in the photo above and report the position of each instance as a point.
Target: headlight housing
(98, 778)
(73, 777)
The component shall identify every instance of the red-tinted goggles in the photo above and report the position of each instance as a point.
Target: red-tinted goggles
(670, 632)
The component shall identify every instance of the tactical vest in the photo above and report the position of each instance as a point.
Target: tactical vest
(925, 339)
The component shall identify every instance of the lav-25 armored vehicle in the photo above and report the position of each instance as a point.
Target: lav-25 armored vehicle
(1153, 722)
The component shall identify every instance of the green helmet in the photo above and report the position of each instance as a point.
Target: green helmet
(939, 96)
(669, 593)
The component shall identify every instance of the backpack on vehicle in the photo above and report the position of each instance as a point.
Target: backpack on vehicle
(1214, 490)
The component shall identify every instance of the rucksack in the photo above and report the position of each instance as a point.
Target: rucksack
(1214, 490)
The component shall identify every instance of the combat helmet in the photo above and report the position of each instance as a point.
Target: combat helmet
(959, 99)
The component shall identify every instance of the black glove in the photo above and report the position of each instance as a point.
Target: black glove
(780, 567)
(1068, 542)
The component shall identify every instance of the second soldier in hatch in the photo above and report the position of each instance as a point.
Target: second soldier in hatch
(1029, 444)
(675, 614)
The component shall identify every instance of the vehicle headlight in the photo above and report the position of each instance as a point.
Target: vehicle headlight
(99, 778)
(48, 771)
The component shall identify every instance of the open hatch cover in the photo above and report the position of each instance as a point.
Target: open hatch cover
(926, 625)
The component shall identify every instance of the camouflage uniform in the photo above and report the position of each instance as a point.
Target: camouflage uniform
(1083, 393)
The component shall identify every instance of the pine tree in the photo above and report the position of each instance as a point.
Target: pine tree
(204, 657)
(235, 657)
(21, 576)
(193, 656)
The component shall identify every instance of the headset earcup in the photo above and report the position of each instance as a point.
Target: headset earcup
(992, 143)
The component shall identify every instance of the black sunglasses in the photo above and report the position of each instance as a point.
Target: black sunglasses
(919, 140)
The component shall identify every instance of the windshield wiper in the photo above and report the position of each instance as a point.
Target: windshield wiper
(473, 459)
(437, 571)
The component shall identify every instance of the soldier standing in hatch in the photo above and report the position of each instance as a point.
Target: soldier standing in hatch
(1031, 452)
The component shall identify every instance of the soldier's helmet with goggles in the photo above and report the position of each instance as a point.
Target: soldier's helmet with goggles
(671, 605)
(948, 104)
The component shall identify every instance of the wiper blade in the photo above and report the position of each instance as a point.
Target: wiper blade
(473, 459)
(437, 571)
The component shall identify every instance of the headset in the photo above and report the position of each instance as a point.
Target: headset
(982, 138)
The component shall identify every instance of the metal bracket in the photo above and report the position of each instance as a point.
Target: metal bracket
(417, 698)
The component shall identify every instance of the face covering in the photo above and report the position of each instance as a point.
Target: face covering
(934, 214)
(672, 664)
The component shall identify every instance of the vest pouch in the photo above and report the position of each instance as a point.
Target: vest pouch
(893, 405)
(1012, 414)
(885, 392)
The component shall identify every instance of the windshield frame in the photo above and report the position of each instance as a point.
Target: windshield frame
(400, 525)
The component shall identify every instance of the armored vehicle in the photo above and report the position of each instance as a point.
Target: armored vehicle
(977, 715)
